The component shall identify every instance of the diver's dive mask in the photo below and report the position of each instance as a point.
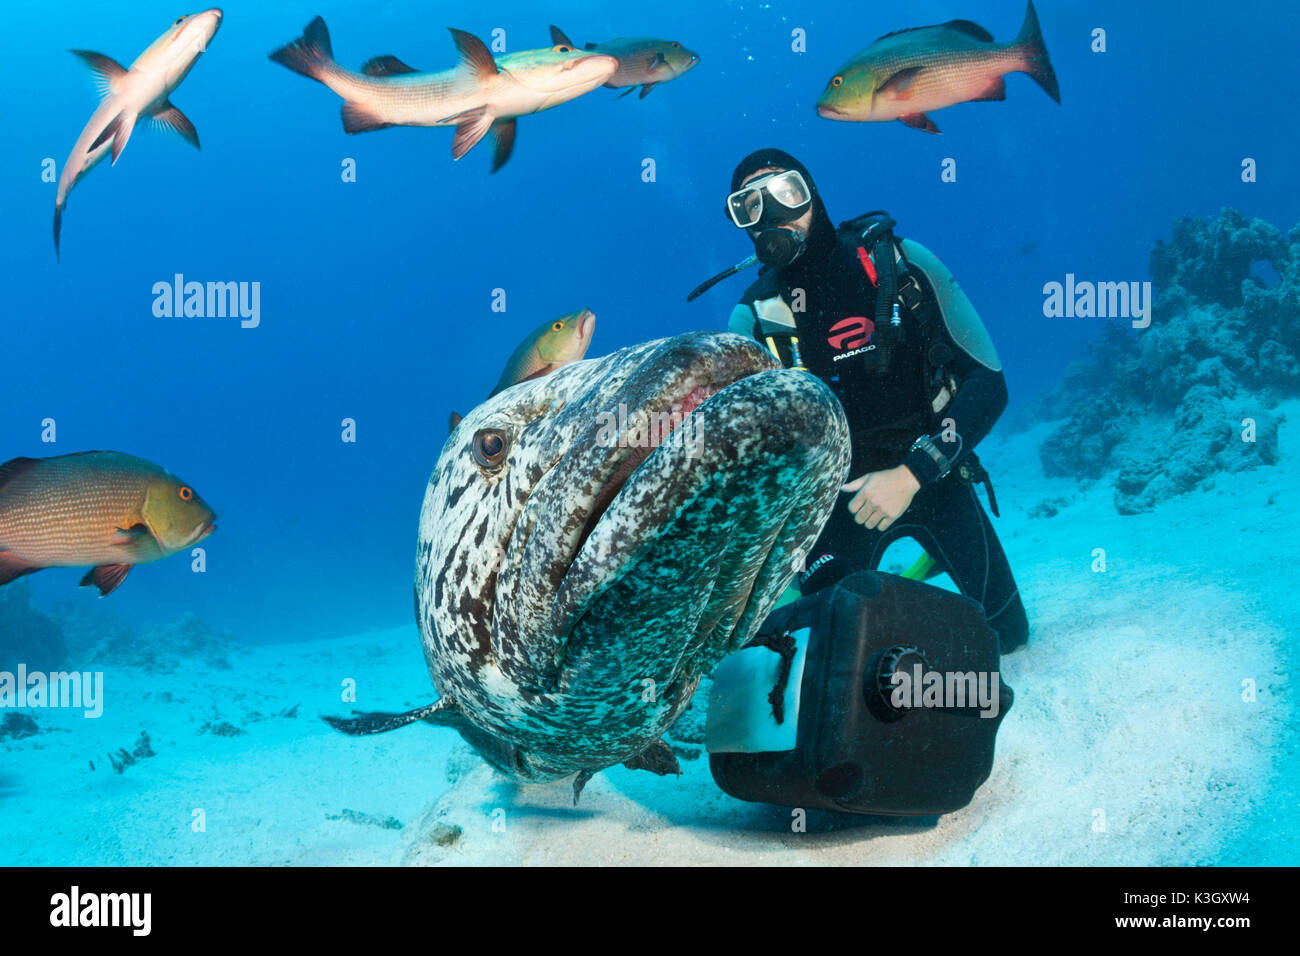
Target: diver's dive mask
(762, 207)
(770, 200)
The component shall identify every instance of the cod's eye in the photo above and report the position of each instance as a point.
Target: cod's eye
(489, 448)
(179, 20)
(676, 45)
(187, 493)
(557, 325)
(563, 48)
(837, 81)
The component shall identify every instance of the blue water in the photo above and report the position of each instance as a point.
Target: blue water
(376, 295)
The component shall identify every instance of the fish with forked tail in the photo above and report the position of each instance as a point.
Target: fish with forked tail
(129, 94)
(906, 74)
(594, 542)
(642, 61)
(99, 508)
(481, 95)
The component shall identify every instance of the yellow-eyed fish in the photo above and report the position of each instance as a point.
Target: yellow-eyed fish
(905, 74)
(129, 94)
(480, 95)
(556, 343)
(99, 508)
(642, 61)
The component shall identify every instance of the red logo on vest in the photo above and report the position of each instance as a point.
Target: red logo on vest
(851, 333)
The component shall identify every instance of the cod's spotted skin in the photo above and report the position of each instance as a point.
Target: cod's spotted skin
(101, 509)
(574, 583)
(559, 583)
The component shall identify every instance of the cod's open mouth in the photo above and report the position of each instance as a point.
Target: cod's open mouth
(669, 413)
(674, 418)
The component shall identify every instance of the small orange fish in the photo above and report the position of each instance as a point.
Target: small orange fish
(100, 508)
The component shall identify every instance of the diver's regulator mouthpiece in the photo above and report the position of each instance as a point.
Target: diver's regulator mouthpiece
(772, 247)
(779, 247)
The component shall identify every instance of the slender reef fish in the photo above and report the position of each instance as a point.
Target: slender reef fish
(478, 96)
(142, 90)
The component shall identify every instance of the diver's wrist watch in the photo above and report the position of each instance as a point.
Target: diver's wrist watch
(926, 444)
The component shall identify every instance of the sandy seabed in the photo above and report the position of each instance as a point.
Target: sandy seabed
(1129, 742)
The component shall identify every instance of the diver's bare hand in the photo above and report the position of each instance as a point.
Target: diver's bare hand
(882, 496)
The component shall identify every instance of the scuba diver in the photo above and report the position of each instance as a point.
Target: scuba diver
(884, 324)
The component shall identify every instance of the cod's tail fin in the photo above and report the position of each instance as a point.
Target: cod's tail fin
(1037, 63)
(58, 227)
(310, 54)
(442, 711)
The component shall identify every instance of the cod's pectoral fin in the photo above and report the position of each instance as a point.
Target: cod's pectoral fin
(119, 131)
(176, 121)
(579, 782)
(503, 135)
(471, 126)
(474, 53)
(919, 121)
(106, 69)
(657, 758)
(386, 65)
(107, 578)
(441, 711)
(899, 84)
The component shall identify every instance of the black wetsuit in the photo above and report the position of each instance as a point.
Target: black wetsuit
(887, 393)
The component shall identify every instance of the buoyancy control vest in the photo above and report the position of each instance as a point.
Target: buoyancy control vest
(896, 358)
